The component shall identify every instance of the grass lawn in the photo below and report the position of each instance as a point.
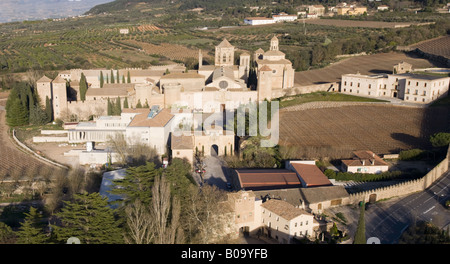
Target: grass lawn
(323, 96)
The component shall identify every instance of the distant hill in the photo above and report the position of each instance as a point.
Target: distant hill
(118, 5)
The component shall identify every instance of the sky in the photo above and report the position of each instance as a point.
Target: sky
(19, 10)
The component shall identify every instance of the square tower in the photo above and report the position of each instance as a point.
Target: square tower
(44, 89)
(224, 54)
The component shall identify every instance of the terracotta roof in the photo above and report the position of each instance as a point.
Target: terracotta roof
(365, 158)
(283, 209)
(257, 179)
(311, 175)
(182, 142)
(182, 76)
(142, 120)
(323, 193)
(274, 53)
(265, 68)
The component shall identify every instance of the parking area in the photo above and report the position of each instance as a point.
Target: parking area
(215, 172)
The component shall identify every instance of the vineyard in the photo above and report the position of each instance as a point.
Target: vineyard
(438, 47)
(16, 164)
(341, 130)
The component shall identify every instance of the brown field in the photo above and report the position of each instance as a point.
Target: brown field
(144, 28)
(356, 23)
(338, 131)
(15, 162)
(368, 64)
(438, 46)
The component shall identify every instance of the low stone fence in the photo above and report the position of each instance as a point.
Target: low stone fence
(23, 146)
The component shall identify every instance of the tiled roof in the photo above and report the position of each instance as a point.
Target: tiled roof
(182, 142)
(257, 179)
(142, 120)
(365, 158)
(283, 209)
(311, 175)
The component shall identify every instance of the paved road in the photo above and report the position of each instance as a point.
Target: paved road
(387, 220)
(216, 172)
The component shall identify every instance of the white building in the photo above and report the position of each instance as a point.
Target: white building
(365, 162)
(151, 127)
(414, 88)
(283, 17)
(283, 221)
(254, 21)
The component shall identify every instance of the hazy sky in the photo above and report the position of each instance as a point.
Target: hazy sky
(18, 10)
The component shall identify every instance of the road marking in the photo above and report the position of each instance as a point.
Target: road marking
(431, 208)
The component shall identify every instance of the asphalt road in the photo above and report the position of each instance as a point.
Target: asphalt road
(387, 220)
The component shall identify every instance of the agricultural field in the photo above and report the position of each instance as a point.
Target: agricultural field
(439, 46)
(14, 162)
(358, 23)
(337, 131)
(368, 64)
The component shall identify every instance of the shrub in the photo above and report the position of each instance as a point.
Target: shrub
(440, 139)
(412, 154)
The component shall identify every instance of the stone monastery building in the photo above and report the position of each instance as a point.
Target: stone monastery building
(208, 89)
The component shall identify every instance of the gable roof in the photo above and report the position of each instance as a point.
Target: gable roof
(59, 79)
(225, 44)
(365, 158)
(323, 193)
(44, 79)
(259, 179)
(182, 142)
(283, 209)
(311, 175)
(142, 120)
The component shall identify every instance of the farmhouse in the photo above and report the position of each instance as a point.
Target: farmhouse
(365, 162)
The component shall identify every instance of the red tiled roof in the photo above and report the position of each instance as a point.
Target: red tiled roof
(311, 175)
(254, 179)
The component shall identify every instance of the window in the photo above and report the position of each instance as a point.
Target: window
(358, 84)
(345, 83)
(417, 83)
(424, 93)
(370, 86)
(351, 83)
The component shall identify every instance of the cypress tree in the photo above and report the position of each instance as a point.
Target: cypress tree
(123, 78)
(89, 219)
(48, 109)
(128, 77)
(83, 87)
(102, 81)
(360, 235)
(29, 231)
(117, 107)
(139, 105)
(109, 108)
(112, 76)
(125, 103)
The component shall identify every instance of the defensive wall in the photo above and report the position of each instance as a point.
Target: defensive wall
(404, 188)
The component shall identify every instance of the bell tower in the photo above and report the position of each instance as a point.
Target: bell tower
(274, 43)
(224, 54)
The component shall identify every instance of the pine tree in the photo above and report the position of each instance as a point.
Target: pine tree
(102, 81)
(29, 231)
(125, 103)
(37, 115)
(128, 77)
(17, 113)
(89, 219)
(137, 183)
(83, 87)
